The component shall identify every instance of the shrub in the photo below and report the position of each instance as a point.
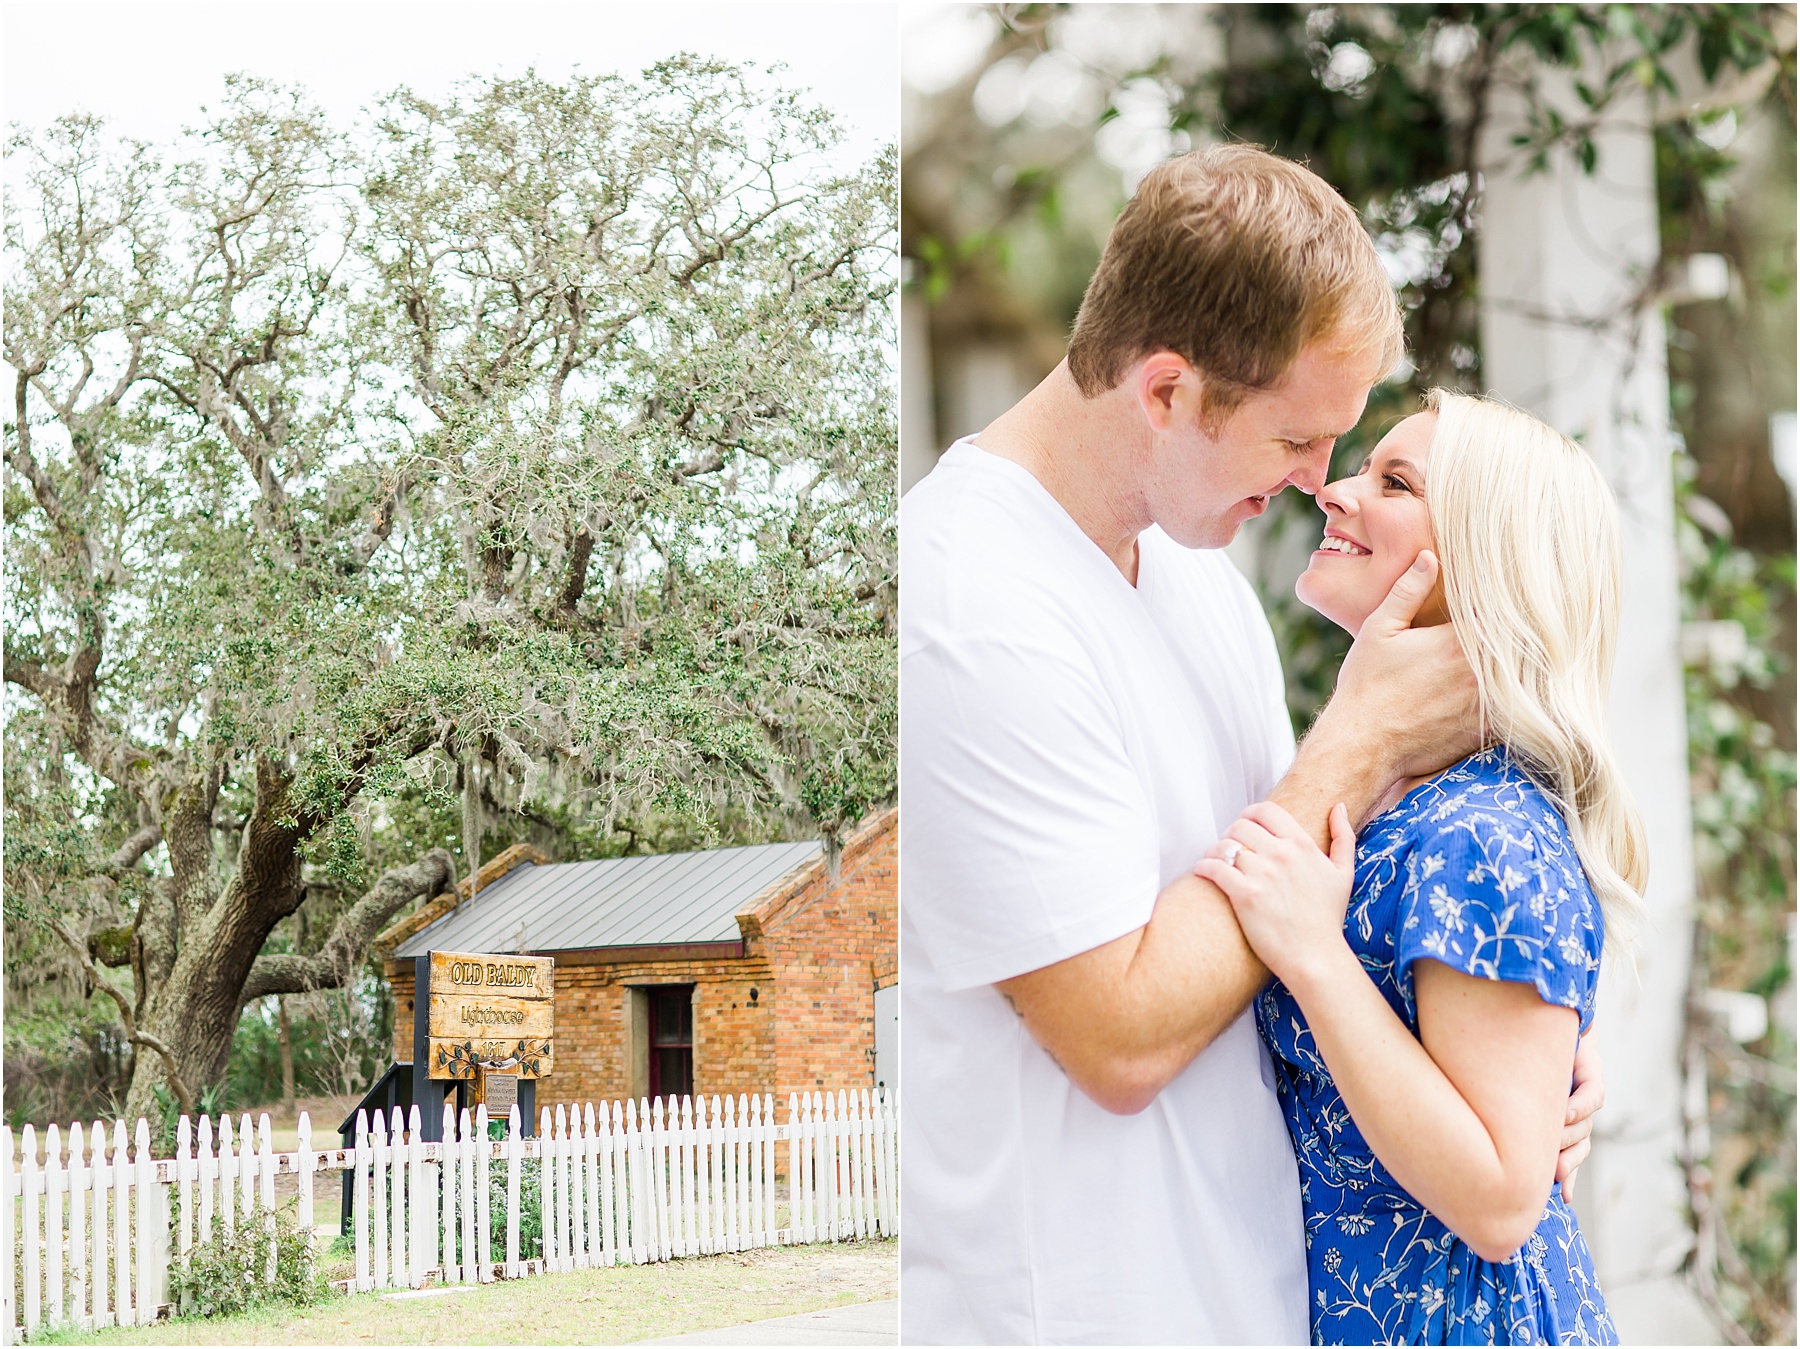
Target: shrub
(229, 1274)
(531, 1214)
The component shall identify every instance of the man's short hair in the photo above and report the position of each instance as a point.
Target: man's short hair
(1234, 259)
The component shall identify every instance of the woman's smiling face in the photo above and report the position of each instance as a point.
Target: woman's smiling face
(1376, 523)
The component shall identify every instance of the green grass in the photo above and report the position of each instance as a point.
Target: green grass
(601, 1306)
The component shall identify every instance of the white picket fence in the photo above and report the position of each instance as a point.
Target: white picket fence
(87, 1232)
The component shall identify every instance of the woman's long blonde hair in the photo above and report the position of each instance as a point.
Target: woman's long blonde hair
(1528, 535)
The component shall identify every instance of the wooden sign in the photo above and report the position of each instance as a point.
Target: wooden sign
(465, 1016)
(493, 1014)
(508, 976)
(459, 1060)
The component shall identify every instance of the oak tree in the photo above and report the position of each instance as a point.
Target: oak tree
(526, 455)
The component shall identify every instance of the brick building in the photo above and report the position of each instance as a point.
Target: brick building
(727, 971)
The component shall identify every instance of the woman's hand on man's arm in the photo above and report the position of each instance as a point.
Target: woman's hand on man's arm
(1470, 1115)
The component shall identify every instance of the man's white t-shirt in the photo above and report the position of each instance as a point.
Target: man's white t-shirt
(1070, 745)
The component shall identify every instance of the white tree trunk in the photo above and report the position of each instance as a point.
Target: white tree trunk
(1569, 333)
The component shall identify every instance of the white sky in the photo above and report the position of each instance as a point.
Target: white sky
(149, 66)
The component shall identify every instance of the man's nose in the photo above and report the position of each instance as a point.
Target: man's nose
(1310, 476)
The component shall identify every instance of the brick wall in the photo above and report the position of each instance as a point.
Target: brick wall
(733, 1049)
(830, 947)
(816, 949)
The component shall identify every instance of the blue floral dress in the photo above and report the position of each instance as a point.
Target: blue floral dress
(1474, 868)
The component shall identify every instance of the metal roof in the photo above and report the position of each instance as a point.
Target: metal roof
(666, 899)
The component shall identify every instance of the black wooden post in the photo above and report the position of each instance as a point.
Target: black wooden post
(427, 1094)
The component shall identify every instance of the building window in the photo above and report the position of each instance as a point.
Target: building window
(671, 1040)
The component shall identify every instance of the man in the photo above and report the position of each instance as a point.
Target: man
(1089, 696)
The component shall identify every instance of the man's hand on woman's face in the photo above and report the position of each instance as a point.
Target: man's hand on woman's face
(1407, 693)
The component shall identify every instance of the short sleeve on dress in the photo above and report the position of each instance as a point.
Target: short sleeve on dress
(1495, 889)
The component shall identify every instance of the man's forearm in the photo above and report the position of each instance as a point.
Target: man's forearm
(1124, 1019)
(1334, 763)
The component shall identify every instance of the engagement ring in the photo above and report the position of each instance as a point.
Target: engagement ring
(1232, 849)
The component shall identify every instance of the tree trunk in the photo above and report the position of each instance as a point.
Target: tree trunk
(287, 1054)
(219, 966)
(195, 1012)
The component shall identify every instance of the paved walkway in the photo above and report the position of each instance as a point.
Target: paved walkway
(860, 1323)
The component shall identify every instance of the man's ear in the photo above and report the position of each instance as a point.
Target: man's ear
(1168, 390)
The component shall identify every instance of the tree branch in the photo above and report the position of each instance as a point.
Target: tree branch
(70, 702)
(350, 936)
(380, 527)
(43, 490)
(127, 854)
(581, 551)
(182, 1095)
(30, 676)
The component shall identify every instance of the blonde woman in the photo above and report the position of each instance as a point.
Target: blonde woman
(1435, 973)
